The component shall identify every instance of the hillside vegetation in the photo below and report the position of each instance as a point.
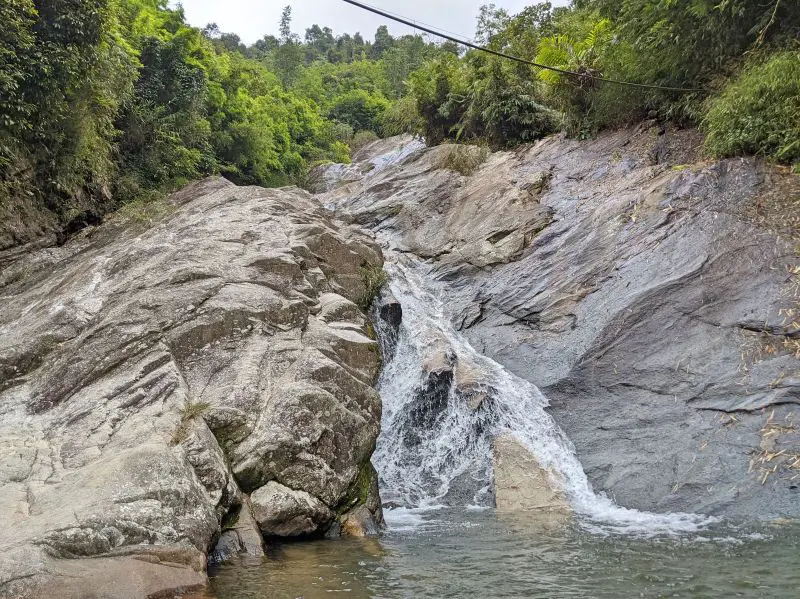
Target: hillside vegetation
(106, 102)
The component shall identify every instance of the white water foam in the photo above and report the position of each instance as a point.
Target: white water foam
(422, 464)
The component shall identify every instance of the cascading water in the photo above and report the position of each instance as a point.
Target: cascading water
(435, 445)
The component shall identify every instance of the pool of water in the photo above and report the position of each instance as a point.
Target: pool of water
(482, 554)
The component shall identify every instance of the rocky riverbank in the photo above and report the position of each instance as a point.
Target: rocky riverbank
(179, 391)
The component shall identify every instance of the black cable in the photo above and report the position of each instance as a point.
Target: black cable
(432, 31)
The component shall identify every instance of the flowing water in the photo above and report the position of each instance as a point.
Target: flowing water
(444, 539)
(427, 447)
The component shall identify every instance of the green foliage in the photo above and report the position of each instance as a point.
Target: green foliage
(361, 110)
(504, 109)
(440, 88)
(674, 43)
(479, 98)
(16, 45)
(109, 101)
(373, 278)
(576, 96)
(403, 117)
(758, 112)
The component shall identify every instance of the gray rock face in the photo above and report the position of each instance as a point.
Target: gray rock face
(649, 296)
(151, 378)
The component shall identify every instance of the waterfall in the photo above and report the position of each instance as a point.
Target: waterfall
(435, 446)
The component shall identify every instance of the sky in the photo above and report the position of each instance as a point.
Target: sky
(252, 19)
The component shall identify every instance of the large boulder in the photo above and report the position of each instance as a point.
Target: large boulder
(152, 374)
(283, 512)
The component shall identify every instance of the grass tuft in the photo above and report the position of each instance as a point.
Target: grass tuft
(189, 412)
(373, 278)
(462, 159)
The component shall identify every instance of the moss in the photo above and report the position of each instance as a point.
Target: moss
(359, 490)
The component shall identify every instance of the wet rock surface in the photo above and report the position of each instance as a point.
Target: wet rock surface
(648, 295)
(522, 485)
(152, 378)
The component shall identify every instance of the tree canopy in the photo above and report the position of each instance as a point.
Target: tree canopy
(110, 101)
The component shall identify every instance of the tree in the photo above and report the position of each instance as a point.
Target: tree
(362, 110)
(288, 56)
(383, 42)
(286, 25)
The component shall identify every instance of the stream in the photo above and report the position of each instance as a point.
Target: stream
(443, 537)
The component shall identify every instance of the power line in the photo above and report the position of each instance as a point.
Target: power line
(442, 34)
(418, 23)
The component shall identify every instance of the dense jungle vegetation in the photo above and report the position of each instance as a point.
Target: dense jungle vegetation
(105, 102)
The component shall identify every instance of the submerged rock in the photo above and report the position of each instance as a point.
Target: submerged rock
(241, 537)
(152, 376)
(359, 522)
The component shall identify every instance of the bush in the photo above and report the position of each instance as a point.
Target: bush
(360, 109)
(403, 117)
(361, 139)
(759, 111)
(462, 159)
(373, 278)
(504, 109)
(439, 89)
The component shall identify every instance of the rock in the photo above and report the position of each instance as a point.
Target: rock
(373, 502)
(151, 376)
(390, 317)
(370, 160)
(241, 537)
(359, 522)
(646, 301)
(146, 574)
(247, 530)
(282, 512)
(228, 546)
(522, 485)
(389, 309)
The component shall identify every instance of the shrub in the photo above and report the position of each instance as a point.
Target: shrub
(361, 139)
(504, 109)
(462, 159)
(439, 89)
(373, 278)
(403, 117)
(362, 110)
(759, 111)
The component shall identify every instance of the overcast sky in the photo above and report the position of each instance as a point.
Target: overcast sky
(252, 19)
